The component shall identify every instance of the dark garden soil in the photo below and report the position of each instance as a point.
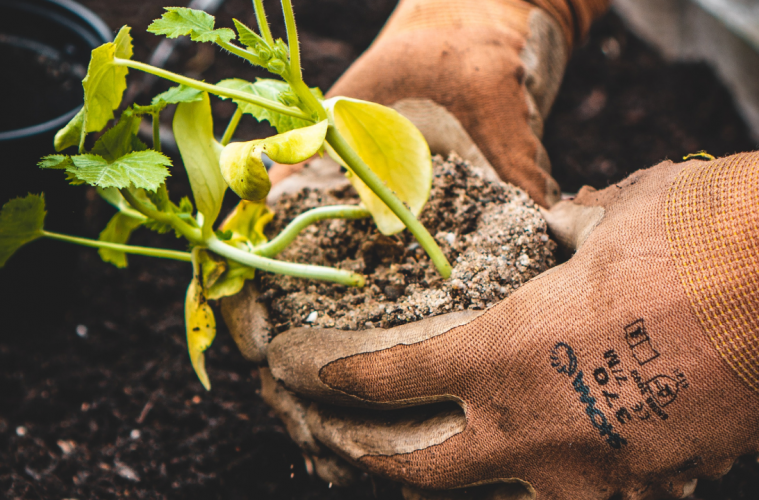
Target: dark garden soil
(97, 396)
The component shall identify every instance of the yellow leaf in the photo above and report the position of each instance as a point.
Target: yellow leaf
(193, 131)
(201, 327)
(222, 278)
(393, 148)
(244, 171)
(247, 221)
(105, 82)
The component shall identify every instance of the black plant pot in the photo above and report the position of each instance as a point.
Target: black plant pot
(45, 49)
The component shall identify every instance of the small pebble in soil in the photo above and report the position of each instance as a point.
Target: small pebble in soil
(81, 330)
(66, 446)
(492, 233)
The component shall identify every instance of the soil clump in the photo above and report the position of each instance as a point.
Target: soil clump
(492, 233)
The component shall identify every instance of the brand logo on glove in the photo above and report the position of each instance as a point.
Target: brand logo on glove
(564, 360)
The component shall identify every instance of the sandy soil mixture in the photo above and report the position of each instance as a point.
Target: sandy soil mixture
(492, 233)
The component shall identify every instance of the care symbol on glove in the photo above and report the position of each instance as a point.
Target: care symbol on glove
(664, 389)
(639, 342)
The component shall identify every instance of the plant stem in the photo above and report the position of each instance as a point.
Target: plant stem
(295, 76)
(365, 173)
(163, 196)
(292, 40)
(150, 252)
(240, 52)
(308, 99)
(230, 131)
(298, 224)
(307, 271)
(263, 24)
(156, 132)
(215, 89)
(193, 234)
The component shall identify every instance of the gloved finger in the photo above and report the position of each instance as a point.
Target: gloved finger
(572, 221)
(444, 133)
(292, 410)
(301, 359)
(356, 433)
(248, 322)
(501, 491)
(333, 470)
(496, 67)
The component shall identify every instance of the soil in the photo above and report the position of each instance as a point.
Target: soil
(97, 396)
(493, 235)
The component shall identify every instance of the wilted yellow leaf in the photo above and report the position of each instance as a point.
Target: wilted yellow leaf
(393, 148)
(201, 327)
(244, 171)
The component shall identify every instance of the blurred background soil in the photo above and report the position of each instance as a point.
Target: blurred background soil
(98, 398)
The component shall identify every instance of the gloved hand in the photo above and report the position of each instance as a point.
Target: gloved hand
(629, 370)
(477, 78)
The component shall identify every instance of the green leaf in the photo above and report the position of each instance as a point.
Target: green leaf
(105, 82)
(118, 230)
(118, 140)
(73, 180)
(114, 197)
(141, 169)
(193, 131)
(393, 148)
(244, 171)
(55, 162)
(71, 134)
(160, 227)
(248, 37)
(180, 21)
(200, 324)
(185, 206)
(121, 225)
(21, 221)
(223, 235)
(270, 89)
(138, 145)
(180, 93)
(123, 43)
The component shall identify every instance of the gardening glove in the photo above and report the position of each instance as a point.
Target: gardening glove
(629, 370)
(475, 77)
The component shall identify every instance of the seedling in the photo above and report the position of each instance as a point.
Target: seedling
(386, 158)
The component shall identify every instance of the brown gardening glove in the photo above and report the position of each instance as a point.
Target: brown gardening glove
(476, 77)
(486, 70)
(629, 370)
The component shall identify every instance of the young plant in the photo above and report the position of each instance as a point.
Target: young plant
(386, 158)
